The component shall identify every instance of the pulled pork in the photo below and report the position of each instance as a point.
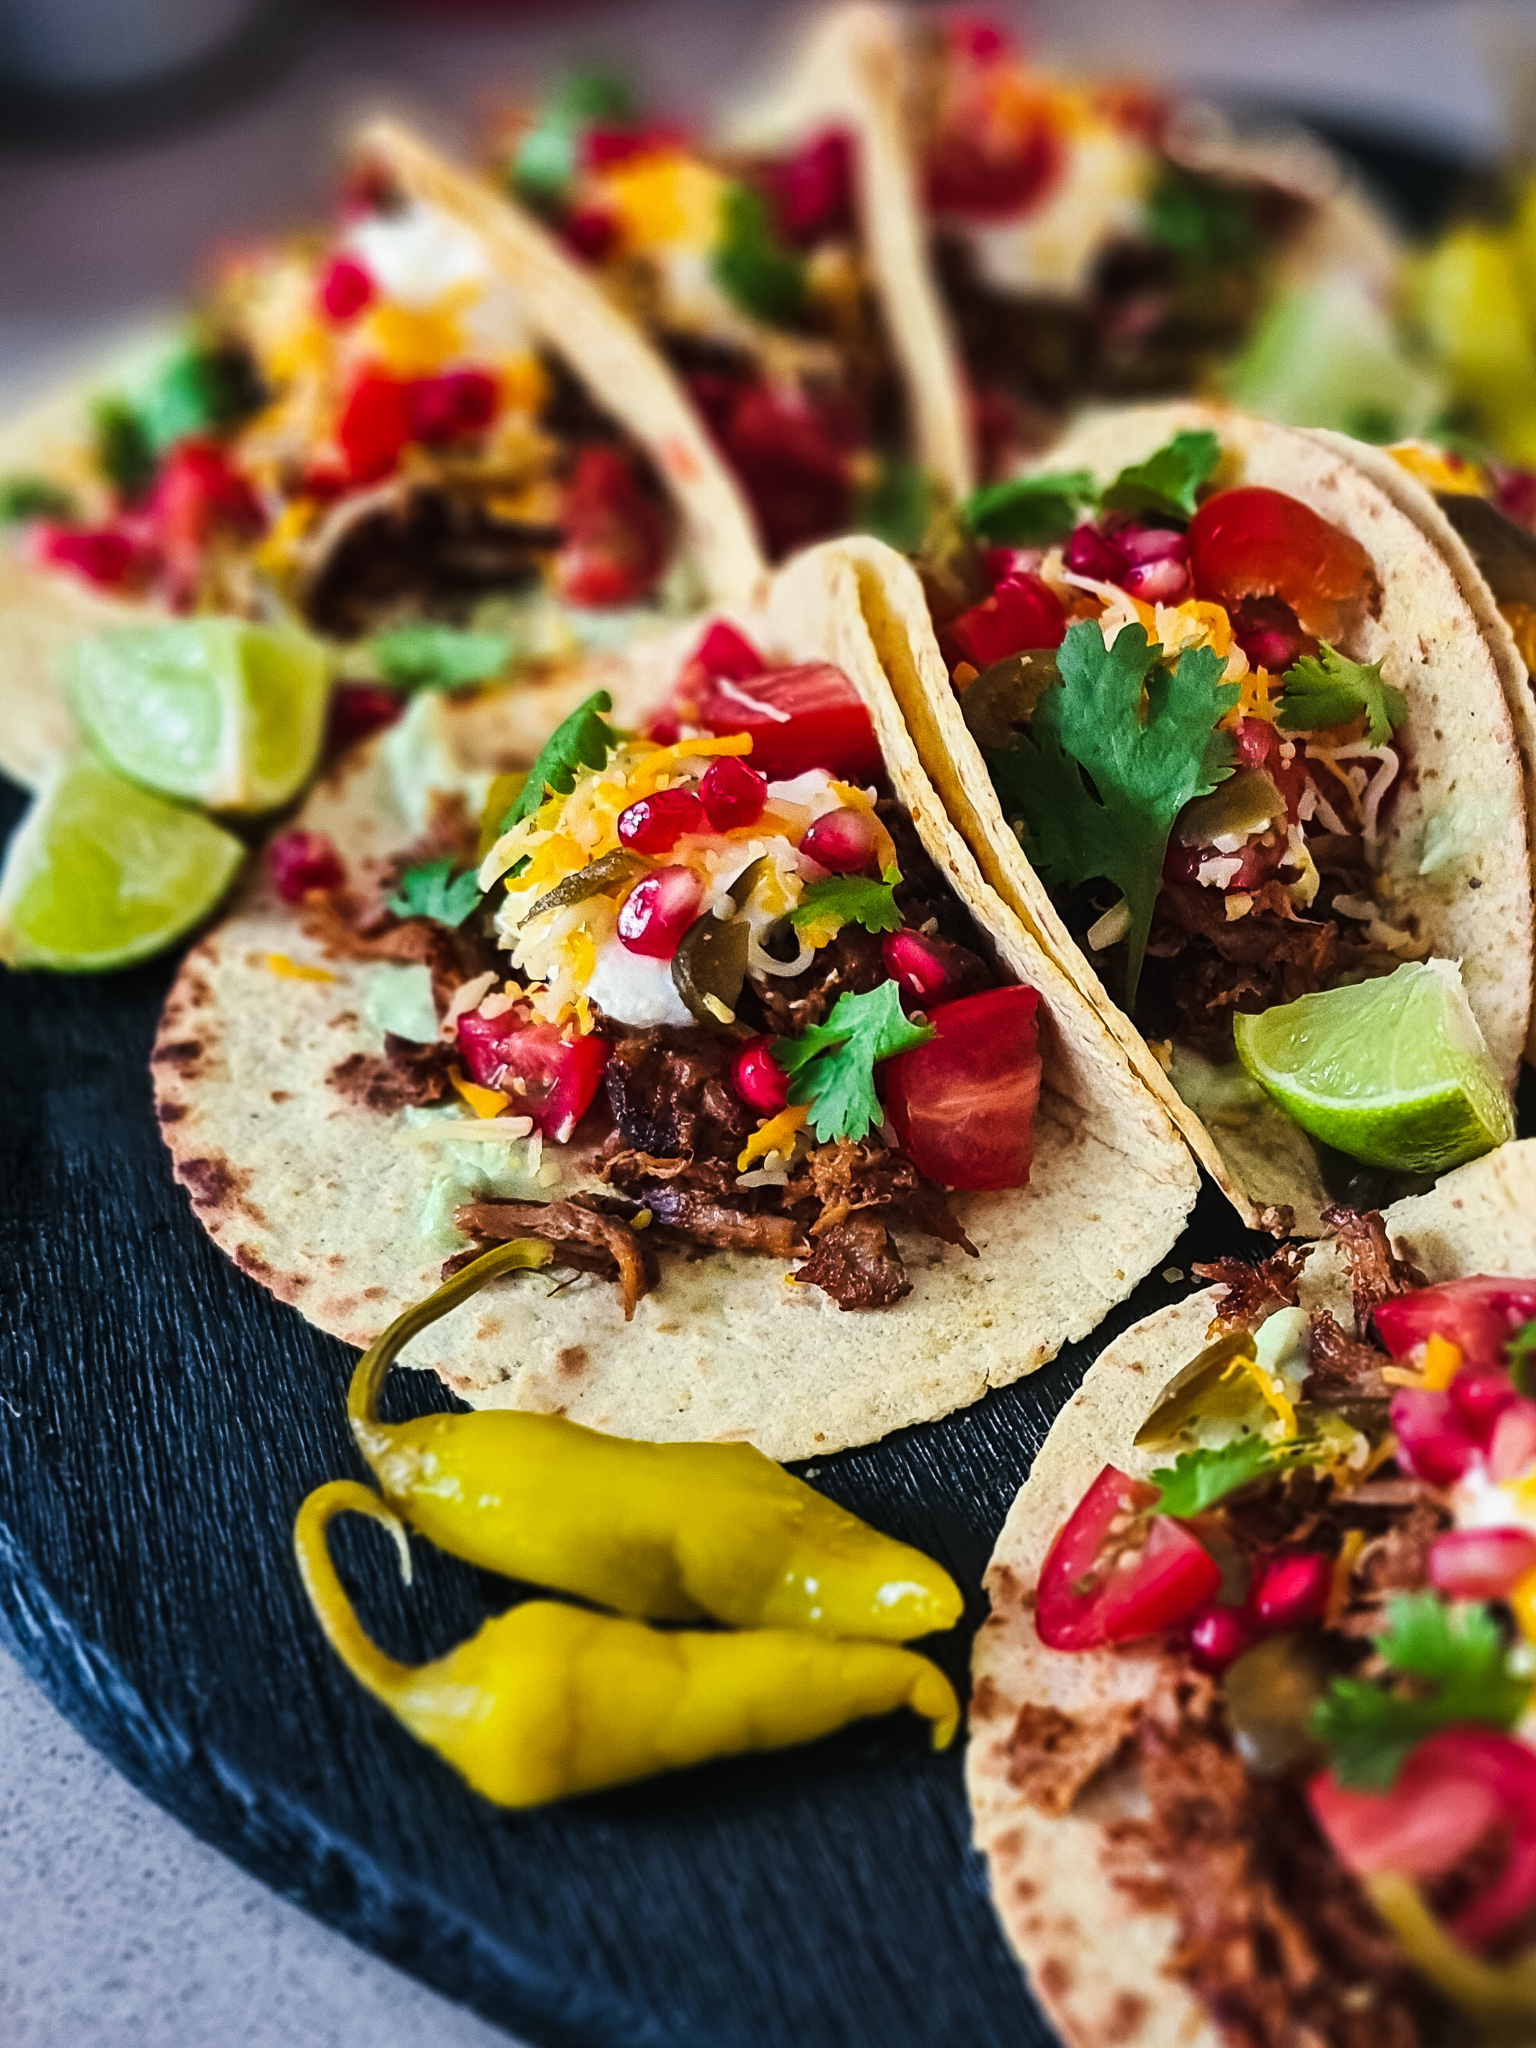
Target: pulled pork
(581, 1237)
(1253, 1289)
(1376, 1272)
(857, 1263)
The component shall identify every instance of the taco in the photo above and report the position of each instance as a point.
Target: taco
(674, 1036)
(1268, 1777)
(408, 419)
(1321, 787)
(761, 264)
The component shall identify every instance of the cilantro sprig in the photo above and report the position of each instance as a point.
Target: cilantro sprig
(751, 264)
(1329, 689)
(1027, 511)
(851, 899)
(1197, 1480)
(1521, 1354)
(427, 891)
(1460, 1659)
(33, 497)
(430, 656)
(1115, 751)
(831, 1066)
(584, 740)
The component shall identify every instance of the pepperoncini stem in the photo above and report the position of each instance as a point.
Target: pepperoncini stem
(1503, 1995)
(363, 1394)
(545, 1700)
(362, 1657)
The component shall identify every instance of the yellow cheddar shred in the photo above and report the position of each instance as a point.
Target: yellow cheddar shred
(774, 1134)
(294, 970)
(1442, 1362)
(485, 1102)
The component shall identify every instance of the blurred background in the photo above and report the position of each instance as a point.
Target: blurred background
(136, 134)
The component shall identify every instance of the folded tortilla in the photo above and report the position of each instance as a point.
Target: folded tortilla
(1103, 1966)
(320, 1199)
(1474, 905)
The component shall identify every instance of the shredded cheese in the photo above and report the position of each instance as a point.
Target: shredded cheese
(1442, 1362)
(485, 1102)
(1271, 1387)
(293, 970)
(774, 1134)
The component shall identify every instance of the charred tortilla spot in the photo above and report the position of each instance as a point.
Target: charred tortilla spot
(1055, 1977)
(280, 1095)
(178, 1052)
(213, 1183)
(252, 1262)
(1053, 1756)
(373, 1294)
(171, 1112)
(572, 1360)
(1127, 2018)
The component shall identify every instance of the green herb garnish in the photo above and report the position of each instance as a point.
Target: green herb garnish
(584, 740)
(852, 899)
(427, 656)
(895, 507)
(750, 262)
(1521, 1354)
(1460, 1656)
(1202, 221)
(1329, 689)
(1115, 751)
(426, 891)
(543, 165)
(33, 497)
(832, 1065)
(1198, 1479)
(124, 454)
(1026, 511)
(1168, 479)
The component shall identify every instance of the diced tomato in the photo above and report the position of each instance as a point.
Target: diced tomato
(299, 861)
(198, 492)
(110, 557)
(1255, 542)
(614, 542)
(1457, 1789)
(1433, 1441)
(345, 288)
(358, 709)
(1478, 1315)
(963, 1104)
(1480, 1564)
(602, 147)
(813, 189)
(373, 428)
(544, 1074)
(450, 407)
(1111, 1575)
(725, 652)
(799, 718)
(988, 168)
(1021, 614)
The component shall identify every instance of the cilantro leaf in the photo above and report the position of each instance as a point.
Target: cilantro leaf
(1330, 689)
(1170, 476)
(1521, 1354)
(895, 507)
(1462, 1662)
(852, 898)
(751, 264)
(1143, 770)
(1023, 511)
(33, 497)
(428, 656)
(543, 164)
(124, 454)
(831, 1066)
(426, 891)
(1205, 223)
(584, 740)
(1198, 1479)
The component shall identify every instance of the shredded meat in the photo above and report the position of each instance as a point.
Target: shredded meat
(1343, 1369)
(407, 1076)
(1396, 1561)
(857, 1264)
(572, 1228)
(1376, 1273)
(345, 927)
(1275, 1938)
(1251, 1289)
(670, 1094)
(725, 1225)
(1249, 963)
(844, 1177)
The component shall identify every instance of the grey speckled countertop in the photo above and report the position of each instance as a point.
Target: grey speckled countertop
(118, 1929)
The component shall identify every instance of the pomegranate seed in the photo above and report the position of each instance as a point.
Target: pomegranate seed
(654, 824)
(1091, 553)
(1218, 1636)
(1480, 1394)
(1433, 1442)
(1291, 1590)
(301, 861)
(589, 232)
(1143, 544)
(918, 965)
(1268, 632)
(372, 428)
(842, 841)
(658, 910)
(345, 288)
(103, 555)
(813, 189)
(1480, 1564)
(1163, 582)
(1513, 1447)
(447, 408)
(759, 1080)
(358, 709)
(733, 795)
(1007, 565)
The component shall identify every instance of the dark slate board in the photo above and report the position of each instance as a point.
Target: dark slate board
(161, 1417)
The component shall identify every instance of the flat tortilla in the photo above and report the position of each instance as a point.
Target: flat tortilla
(1103, 1967)
(320, 1199)
(1476, 907)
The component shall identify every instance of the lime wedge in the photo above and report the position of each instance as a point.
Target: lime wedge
(1393, 1072)
(101, 873)
(215, 711)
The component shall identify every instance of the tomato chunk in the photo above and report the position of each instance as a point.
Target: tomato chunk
(1478, 1315)
(544, 1074)
(1097, 1587)
(963, 1104)
(799, 718)
(614, 542)
(1255, 542)
(1021, 614)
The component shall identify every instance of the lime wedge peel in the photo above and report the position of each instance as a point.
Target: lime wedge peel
(213, 711)
(1393, 1072)
(103, 874)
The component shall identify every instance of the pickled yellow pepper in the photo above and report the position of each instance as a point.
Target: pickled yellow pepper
(548, 1700)
(674, 1532)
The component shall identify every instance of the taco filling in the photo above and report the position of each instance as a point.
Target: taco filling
(1167, 681)
(361, 429)
(747, 984)
(1338, 1563)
